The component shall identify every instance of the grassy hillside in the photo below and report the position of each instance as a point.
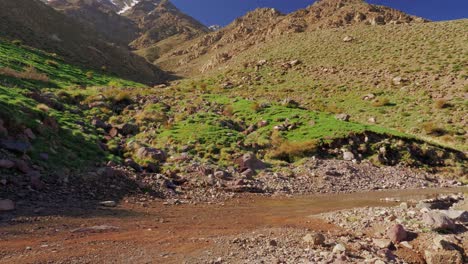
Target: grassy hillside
(41, 92)
(410, 78)
(196, 120)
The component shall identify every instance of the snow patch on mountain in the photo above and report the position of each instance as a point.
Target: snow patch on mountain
(128, 5)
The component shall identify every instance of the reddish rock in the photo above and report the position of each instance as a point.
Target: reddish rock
(6, 164)
(35, 178)
(113, 132)
(145, 153)
(98, 123)
(51, 123)
(397, 233)
(16, 146)
(250, 161)
(22, 166)
(438, 221)
(28, 132)
(3, 130)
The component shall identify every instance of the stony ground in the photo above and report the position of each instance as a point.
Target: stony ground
(412, 232)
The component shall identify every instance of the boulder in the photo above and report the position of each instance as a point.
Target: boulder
(382, 243)
(146, 153)
(132, 164)
(98, 123)
(28, 132)
(35, 180)
(339, 248)
(455, 215)
(443, 257)
(6, 164)
(15, 146)
(347, 155)
(343, 117)
(438, 221)
(397, 233)
(6, 205)
(250, 161)
(22, 166)
(127, 129)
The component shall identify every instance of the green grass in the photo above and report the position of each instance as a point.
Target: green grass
(72, 145)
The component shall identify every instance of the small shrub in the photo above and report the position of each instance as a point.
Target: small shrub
(379, 102)
(89, 74)
(290, 151)
(52, 63)
(441, 104)
(228, 110)
(43, 108)
(30, 73)
(257, 107)
(122, 96)
(431, 129)
(17, 42)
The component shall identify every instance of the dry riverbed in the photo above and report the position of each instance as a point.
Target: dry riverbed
(345, 228)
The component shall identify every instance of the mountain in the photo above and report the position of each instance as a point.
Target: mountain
(40, 26)
(266, 23)
(159, 20)
(150, 26)
(100, 16)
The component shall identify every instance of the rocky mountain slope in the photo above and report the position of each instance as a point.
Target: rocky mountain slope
(100, 16)
(159, 20)
(39, 25)
(262, 24)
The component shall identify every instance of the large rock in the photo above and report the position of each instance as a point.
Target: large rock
(16, 146)
(397, 233)
(443, 257)
(438, 221)
(7, 205)
(343, 117)
(455, 215)
(6, 164)
(347, 155)
(127, 129)
(145, 153)
(382, 243)
(250, 161)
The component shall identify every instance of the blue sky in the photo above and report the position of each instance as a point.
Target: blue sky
(222, 12)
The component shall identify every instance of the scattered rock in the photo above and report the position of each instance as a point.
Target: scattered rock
(6, 164)
(100, 228)
(7, 205)
(250, 161)
(28, 132)
(343, 117)
(127, 129)
(145, 153)
(339, 248)
(316, 239)
(16, 146)
(397, 233)
(438, 221)
(455, 215)
(382, 243)
(108, 203)
(443, 257)
(347, 155)
(348, 39)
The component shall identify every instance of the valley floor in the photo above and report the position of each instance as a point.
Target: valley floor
(245, 228)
